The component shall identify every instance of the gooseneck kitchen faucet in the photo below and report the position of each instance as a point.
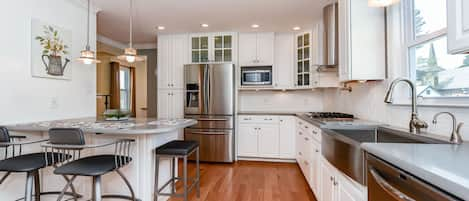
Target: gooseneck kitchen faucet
(415, 124)
(456, 130)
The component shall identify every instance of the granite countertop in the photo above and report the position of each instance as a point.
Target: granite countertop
(443, 165)
(133, 126)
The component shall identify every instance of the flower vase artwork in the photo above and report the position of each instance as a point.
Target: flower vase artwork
(50, 51)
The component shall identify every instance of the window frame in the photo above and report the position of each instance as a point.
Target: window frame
(127, 88)
(410, 41)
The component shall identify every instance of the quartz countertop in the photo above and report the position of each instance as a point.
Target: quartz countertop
(443, 165)
(133, 126)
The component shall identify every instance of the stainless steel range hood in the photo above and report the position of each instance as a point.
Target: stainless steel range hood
(330, 39)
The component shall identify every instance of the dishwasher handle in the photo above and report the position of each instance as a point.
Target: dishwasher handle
(391, 190)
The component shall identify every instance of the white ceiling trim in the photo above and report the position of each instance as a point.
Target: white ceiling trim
(108, 41)
(84, 4)
(145, 46)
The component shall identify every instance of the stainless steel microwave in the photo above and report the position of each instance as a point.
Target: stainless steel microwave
(256, 75)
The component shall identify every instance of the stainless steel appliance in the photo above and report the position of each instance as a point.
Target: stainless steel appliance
(342, 147)
(330, 45)
(209, 99)
(256, 75)
(388, 183)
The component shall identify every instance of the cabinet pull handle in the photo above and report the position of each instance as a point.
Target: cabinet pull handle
(317, 151)
(332, 178)
(307, 139)
(314, 132)
(270, 119)
(306, 163)
(306, 127)
(300, 133)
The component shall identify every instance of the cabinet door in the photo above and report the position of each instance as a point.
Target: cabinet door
(458, 26)
(164, 61)
(315, 168)
(179, 51)
(265, 49)
(164, 104)
(284, 60)
(287, 137)
(248, 140)
(222, 48)
(199, 48)
(177, 104)
(344, 17)
(348, 192)
(303, 60)
(268, 141)
(247, 49)
(327, 182)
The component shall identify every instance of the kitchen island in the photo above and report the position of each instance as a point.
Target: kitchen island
(147, 133)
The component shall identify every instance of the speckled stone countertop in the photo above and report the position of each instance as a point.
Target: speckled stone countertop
(443, 165)
(133, 126)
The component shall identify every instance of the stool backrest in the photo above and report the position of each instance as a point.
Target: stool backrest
(4, 135)
(66, 136)
(66, 141)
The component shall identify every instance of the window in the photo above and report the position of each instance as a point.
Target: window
(435, 72)
(125, 93)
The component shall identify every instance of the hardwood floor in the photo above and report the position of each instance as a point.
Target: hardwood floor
(250, 181)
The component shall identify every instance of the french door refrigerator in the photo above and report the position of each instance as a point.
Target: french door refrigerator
(209, 98)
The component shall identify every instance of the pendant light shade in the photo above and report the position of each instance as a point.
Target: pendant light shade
(87, 56)
(381, 3)
(130, 54)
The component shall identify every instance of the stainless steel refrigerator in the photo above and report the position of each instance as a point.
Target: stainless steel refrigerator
(210, 98)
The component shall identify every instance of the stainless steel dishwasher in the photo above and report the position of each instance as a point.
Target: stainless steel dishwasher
(388, 183)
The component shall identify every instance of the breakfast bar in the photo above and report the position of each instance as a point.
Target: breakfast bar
(147, 133)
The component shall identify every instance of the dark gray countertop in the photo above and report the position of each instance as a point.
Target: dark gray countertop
(278, 113)
(443, 165)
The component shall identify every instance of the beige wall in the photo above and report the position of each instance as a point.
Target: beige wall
(108, 54)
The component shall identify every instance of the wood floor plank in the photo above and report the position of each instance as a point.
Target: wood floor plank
(249, 181)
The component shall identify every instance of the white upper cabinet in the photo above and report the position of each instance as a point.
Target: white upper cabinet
(361, 41)
(284, 60)
(172, 55)
(256, 49)
(458, 26)
(303, 59)
(213, 47)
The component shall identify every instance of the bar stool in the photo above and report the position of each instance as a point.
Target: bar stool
(72, 142)
(173, 150)
(14, 161)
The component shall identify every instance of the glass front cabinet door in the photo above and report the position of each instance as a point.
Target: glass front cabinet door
(212, 48)
(303, 59)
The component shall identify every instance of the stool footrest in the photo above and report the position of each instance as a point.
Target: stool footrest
(122, 197)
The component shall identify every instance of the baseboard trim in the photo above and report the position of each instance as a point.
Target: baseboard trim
(278, 160)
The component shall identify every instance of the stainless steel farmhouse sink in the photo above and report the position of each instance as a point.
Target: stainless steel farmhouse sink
(342, 147)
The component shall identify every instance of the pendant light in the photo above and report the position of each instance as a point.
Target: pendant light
(381, 3)
(87, 56)
(130, 54)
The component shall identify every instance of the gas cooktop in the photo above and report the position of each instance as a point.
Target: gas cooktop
(329, 115)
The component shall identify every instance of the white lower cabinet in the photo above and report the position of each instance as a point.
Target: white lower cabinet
(266, 136)
(335, 186)
(287, 144)
(247, 140)
(170, 104)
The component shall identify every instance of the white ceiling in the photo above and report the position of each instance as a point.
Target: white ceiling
(186, 16)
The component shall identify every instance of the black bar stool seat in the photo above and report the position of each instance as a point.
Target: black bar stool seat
(177, 147)
(30, 162)
(92, 166)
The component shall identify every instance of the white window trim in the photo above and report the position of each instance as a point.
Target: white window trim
(403, 97)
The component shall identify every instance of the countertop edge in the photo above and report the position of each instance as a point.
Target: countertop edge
(138, 131)
(434, 179)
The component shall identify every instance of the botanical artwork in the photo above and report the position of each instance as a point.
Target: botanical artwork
(50, 51)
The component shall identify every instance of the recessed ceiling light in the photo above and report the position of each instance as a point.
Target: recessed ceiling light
(161, 27)
(296, 28)
(204, 25)
(255, 26)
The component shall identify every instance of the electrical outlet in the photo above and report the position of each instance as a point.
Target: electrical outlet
(54, 103)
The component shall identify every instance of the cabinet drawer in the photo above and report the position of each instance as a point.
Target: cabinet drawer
(258, 119)
(316, 133)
